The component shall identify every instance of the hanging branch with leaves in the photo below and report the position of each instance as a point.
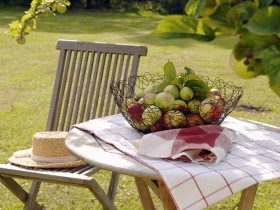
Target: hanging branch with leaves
(20, 29)
(256, 22)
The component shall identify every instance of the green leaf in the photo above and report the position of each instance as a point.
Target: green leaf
(14, 24)
(263, 3)
(240, 13)
(169, 71)
(253, 43)
(199, 84)
(194, 7)
(34, 24)
(265, 21)
(199, 87)
(220, 14)
(189, 70)
(177, 82)
(160, 87)
(189, 77)
(180, 26)
(271, 65)
(67, 3)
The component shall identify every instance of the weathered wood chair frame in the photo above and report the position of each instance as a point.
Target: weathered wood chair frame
(81, 92)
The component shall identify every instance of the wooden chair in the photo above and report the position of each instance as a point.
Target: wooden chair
(81, 92)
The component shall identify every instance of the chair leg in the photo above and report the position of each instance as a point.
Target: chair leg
(248, 197)
(32, 195)
(144, 194)
(100, 195)
(17, 190)
(167, 201)
(113, 185)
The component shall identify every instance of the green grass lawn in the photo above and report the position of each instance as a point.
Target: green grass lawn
(26, 81)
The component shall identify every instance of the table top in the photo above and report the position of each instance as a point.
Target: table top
(254, 157)
(87, 148)
(93, 151)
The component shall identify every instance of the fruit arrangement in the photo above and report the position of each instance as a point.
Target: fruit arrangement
(152, 103)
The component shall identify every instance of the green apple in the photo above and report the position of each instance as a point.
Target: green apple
(164, 100)
(61, 8)
(180, 105)
(149, 98)
(193, 105)
(149, 89)
(141, 126)
(139, 93)
(240, 68)
(173, 90)
(151, 115)
(21, 40)
(186, 93)
(174, 119)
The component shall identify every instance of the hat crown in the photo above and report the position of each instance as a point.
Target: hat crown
(50, 144)
(48, 151)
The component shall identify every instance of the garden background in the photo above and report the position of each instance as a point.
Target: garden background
(27, 75)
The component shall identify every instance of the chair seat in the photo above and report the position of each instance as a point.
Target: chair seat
(76, 176)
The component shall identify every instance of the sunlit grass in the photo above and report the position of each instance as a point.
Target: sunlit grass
(26, 80)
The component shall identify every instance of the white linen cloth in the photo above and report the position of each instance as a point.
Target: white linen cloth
(253, 157)
(206, 144)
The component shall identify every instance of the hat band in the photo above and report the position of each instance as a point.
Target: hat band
(64, 159)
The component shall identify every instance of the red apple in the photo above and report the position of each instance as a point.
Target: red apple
(215, 93)
(211, 109)
(194, 120)
(135, 112)
(158, 126)
(127, 102)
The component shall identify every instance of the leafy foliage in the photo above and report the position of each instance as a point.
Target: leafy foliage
(20, 29)
(255, 21)
(186, 79)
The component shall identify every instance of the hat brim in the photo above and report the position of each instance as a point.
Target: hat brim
(24, 159)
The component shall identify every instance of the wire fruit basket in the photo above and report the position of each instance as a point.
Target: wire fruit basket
(143, 102)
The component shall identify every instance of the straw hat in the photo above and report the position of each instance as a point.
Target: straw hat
(48, 151)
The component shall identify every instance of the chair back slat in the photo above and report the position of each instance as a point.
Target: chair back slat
(84, 73)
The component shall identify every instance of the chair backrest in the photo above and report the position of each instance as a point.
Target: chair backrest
(84, 74)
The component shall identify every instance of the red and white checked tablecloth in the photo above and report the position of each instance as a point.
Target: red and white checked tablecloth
(253, 157)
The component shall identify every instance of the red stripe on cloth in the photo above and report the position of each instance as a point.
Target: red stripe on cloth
(196, 136)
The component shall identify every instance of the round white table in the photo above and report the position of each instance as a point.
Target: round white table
(104, 156)
(85, 147)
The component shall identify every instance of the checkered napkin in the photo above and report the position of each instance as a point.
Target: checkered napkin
(207, 144)
(253, 157)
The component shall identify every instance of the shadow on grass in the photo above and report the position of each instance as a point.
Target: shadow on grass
(133, 27)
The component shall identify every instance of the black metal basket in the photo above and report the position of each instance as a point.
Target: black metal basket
(124, 95)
